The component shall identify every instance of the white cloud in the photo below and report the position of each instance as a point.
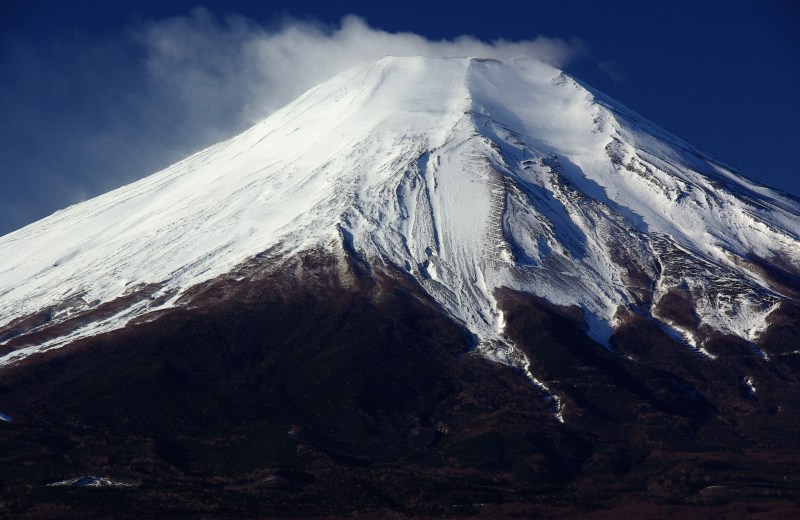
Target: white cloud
(238, 65)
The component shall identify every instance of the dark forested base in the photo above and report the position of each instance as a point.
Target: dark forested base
(302, 393)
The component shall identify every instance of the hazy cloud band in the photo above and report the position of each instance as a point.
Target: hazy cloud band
(257, 70)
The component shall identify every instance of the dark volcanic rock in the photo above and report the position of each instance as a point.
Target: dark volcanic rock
(295, 392)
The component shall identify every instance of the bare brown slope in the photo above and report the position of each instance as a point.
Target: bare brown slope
(326, 386)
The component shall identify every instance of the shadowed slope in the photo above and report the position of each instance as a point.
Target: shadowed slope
(323, 385)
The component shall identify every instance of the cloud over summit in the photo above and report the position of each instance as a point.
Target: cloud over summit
(260, 69)
(87, 115)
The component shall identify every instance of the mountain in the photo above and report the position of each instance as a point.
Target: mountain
(424, 284)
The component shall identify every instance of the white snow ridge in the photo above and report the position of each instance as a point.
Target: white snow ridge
(90, 482)
(469, 174)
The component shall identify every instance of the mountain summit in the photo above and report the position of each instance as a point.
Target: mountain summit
(464, 206)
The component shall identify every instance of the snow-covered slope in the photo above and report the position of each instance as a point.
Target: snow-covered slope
(469, 174)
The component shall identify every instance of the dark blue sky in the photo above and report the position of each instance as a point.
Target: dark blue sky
(83, 110)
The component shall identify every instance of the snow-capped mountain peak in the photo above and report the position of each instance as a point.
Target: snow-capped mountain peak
(471, 175)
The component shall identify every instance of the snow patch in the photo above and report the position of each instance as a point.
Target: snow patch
(90, 482)
(751, 385)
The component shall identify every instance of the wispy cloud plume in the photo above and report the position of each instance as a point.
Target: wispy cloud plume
(613, 69)
(237, 64)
